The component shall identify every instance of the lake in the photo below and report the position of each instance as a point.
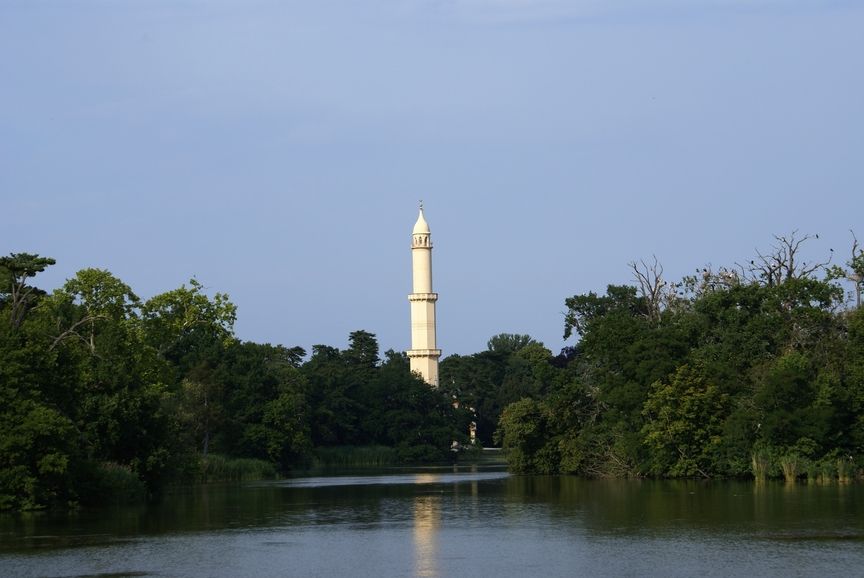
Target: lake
(448, 521)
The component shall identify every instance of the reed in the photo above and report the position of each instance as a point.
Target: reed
(760, 462)
(219, 468)
(342, 456)
(827, 471)
(814, 472)
(116, 483)
(844, 470)
(790, 464)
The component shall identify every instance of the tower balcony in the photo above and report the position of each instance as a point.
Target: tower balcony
(413, 353)
(423, 297)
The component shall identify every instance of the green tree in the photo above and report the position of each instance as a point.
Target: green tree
(202, 406)
(404, 412)
(475, 381)
(183, 324)
(285, 429)
(852, 396)
(267, 415)
(525, 431)
(335, 407)
(513, 366)
(37, 450)
(94, 301)
(15, 293)
(684, 424)
(362, 350)
(506, 344)
(785, 400)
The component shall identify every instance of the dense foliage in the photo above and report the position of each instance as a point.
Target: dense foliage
(752, 371)
(102, 393)
(757, 370)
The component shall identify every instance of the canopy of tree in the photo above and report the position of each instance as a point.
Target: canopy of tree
(756, 370)
(753, 370)
(97, 385)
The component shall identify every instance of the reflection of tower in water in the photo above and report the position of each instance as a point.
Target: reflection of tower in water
(427, 518)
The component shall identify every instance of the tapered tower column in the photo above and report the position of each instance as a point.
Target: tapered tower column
(423, 353)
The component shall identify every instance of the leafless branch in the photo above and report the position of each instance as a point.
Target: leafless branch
(783, 263)
(651, 284)
(72, 331)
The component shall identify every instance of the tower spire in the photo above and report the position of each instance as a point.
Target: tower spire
(424, 353)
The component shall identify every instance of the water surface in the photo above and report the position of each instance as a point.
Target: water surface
(452, 522)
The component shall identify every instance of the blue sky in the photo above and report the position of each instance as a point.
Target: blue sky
(276, 150)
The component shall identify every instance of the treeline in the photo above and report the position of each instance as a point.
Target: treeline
(102, 393)
(754, 370)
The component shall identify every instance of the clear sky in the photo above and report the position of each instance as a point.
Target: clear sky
(276, 149)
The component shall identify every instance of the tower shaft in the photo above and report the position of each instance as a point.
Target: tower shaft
(424, 353)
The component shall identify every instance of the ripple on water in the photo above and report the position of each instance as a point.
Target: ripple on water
(390, 479)
(110, 575)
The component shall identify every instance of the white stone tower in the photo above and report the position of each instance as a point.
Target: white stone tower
(423, 353)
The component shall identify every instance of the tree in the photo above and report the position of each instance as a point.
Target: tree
(853, 406)
(475, 382)
(92, 300)
(783, 262)
(525, 430)
(527, 373)
(201, 404)
(183, 324)
(362, 350)
(266, 413)
(506, 344)
(335, 408)
(286, 431)
(684, 424)
(854, 271)
(582, 310)
(37, 451)
(652, 287)
(15, 270)
(784, 399)
(404, 412)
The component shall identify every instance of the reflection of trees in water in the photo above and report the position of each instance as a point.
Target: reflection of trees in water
(427, 519)
(639, 506)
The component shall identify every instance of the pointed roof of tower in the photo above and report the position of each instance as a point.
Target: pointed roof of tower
(421, 227)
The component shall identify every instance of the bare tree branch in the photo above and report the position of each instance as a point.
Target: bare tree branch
(651, 284)
(783, 263)
(72, 332)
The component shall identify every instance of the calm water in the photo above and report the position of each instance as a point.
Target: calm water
(446, 522)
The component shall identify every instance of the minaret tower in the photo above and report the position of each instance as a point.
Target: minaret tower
(423, 353)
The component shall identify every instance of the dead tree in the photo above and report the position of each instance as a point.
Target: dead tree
(855, 272)
(783, 263)
(650, 285)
